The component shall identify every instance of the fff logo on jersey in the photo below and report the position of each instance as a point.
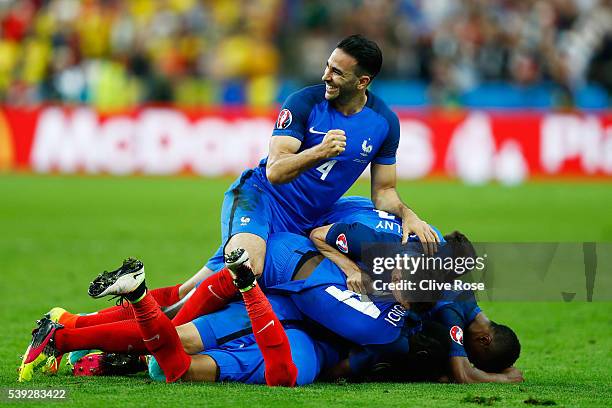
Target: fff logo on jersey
(367, 148)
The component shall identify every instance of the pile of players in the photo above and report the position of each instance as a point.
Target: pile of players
(287, 299)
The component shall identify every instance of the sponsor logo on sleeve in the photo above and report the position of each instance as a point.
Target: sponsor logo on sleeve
(342, 243)
(284, 119)
(456, 334)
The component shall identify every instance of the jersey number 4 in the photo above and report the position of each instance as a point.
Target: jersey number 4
(325, 168)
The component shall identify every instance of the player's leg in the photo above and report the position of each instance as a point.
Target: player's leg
(187, 289)
(267, 329)
(203, 368)
(115, 337)
(211, 295)
(158, 333)
(190, 283)
(245, 219)
(190, 338)
(254, 245)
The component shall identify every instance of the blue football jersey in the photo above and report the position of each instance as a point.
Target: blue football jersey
(353, 209)
(456, 311)
(372, 136)
(367, 231)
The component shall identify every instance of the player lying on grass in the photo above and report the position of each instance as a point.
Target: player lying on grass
(207, 299)
(269, 355)
(492, 348)
(318, 289)
(268, 349)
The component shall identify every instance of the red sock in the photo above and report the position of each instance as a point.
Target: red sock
(213, 293)
(271, 339)
(161, 339)
(166, 296)
(109, 309)
(117, 337)
(117, 314)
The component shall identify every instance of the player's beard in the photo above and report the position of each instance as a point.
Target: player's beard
(345, 95)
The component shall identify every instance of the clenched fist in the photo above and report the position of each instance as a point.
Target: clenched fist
(333, 144)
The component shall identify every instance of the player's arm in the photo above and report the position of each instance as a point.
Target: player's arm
(355, 279)
(385, 197)
(463, 372)
(285, 163)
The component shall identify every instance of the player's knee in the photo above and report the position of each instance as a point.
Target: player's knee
(255, 246)
(282, 374)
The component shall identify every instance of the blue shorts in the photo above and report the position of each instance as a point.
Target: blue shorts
(216, 262)
(240, 360)
(233, 321)
(283, 253)
(249, 208)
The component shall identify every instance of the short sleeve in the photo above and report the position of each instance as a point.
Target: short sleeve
(293, 117)
(349, 238)
(387, 152)
(454, 323)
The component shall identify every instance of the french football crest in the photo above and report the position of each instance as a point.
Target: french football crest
(284, 119)
(367, 148)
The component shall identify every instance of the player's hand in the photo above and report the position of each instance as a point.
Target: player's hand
(513, 374)
(333, 144)
(428, 237)
(359, 282)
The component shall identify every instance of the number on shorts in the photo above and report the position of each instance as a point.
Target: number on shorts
(326, 167)
(347, 297)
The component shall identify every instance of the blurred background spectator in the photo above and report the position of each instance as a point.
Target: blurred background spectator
(116, 54)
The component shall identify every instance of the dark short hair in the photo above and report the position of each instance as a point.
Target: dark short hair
(503, 350)
(366, 53)
(460, 244)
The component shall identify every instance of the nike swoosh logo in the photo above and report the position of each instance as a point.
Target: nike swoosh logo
(210, 288)
(137, 275)
(156, 337)
(312, 130)
(270, 323)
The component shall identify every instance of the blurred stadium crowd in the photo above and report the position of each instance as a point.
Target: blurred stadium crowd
(119, 54)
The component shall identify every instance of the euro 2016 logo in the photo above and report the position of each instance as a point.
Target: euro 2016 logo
(456, 334)
(284, 119)
(342, 243)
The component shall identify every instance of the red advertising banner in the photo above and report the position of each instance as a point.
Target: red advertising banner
(474, 146)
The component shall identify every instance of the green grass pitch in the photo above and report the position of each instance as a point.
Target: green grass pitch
(56, 233)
